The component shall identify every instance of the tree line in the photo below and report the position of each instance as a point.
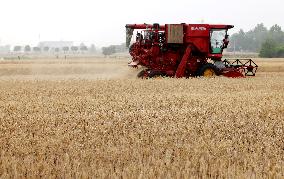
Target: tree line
(114, 49)
(108, 50)
(65, 49)
(266, 42)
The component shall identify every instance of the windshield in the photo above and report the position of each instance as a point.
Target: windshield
(216, 39)
(147, 34)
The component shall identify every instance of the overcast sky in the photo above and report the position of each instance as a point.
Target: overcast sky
(102, 22)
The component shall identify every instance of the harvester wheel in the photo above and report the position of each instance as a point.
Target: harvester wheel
(150, 74)
(207, 70)
(143, 74)
(155, 74)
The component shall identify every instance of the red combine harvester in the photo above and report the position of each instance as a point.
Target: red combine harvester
(184, 50)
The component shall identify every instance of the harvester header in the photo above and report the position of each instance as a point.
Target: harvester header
(184, 50)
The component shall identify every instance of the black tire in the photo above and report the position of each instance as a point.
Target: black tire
(208, 66)
(155, 73)
(143, 74)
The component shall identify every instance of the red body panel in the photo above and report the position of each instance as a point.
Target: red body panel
(198, 35)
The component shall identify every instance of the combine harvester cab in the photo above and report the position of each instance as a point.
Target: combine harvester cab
(184, 50)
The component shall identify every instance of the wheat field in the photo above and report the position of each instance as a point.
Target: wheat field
(94, 119)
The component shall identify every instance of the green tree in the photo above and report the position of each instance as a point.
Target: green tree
(257, 36)
(74, 48)
(108, 50)
(57, 49)
(83, 47)
(17, 48)
(275, 28)
(268, 49)
(65, 49)
(27, 48)
(252, 40)
(276, 34)
(46, 49)
(238, 41)
(36, 49)
(280, 51)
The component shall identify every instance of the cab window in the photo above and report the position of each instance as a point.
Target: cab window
(216, 40)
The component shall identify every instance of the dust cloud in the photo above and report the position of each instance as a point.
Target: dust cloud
(90, 69)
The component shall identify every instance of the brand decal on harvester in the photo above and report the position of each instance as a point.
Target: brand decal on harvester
(198, 28)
